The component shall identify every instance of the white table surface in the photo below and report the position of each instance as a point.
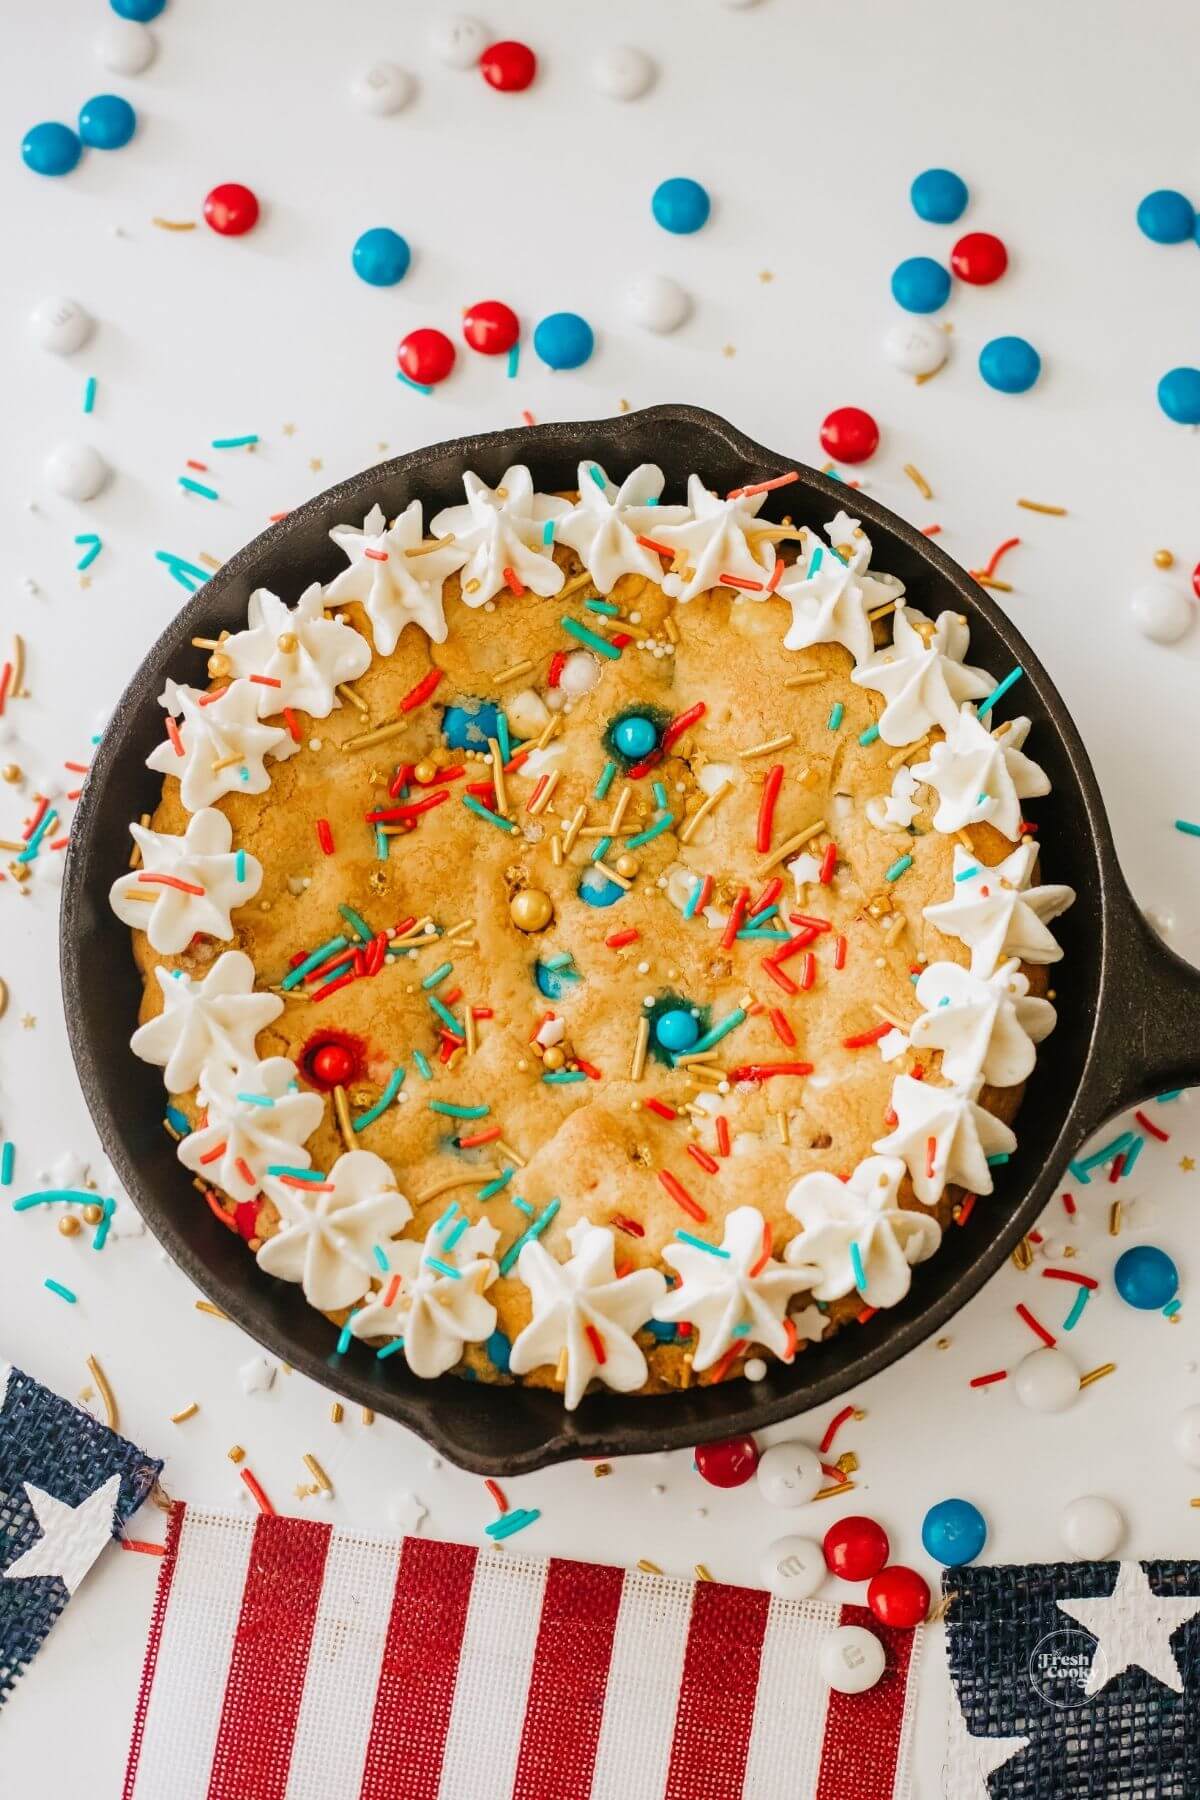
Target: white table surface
(807, 124)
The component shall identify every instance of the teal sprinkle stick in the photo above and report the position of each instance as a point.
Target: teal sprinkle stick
(603, 606)
(494, 1187)
(296, 1174)
(239, 866)
(660, 797)
(89, 394)
(444, 1014)
(898, 867)
(7, 1158)
(382, 844)
(418, 387)
(456, 1232)
(182, 571)
(557, 963)
(655, 830)
(610, 769)
(693, 899)
(423, 1068)
(391, 1349)
(514, 362)
(869, 735)
(836, 715)
(235, 443)
(34, 840)
(64, 1293)
(563, 1077)
(856, 1263)
(1186, 825)
(177, 1121)
(394, 1084)
(603, 846)
(1076, 1313)
(721, 1029)
(70, 1196)
(598, 477)
(108, 1208)
(357, 923)
(591, 638)
(698, 1243)
(548, 532)
(999, 691)
(452, 1110)
(523, 1206)
(197, 487)
(92, 540)
(435, 975)
(511, 1522)
(481, 812)
(381, 1258)
(310, 962)
(443, 1268)
(966, 874)
(345, 1336)
(1132, 1154)
(528, 1235)
(816, 559)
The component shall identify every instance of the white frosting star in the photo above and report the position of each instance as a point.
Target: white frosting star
(1133, 1627)
(570, 1297)
(223, 744)
(712, 542)
(921, 675)
(831, 595)
(740, 1284)
(978, 776)
(863, 1217)
(329, 1231)
(201, 859)
(503, 528)
(72, 1536)
(897, 810)
(982, 1027)
(215, 1019)
(396, 589)
(324, 652)
(256, 1121)
(603, 527)
(944, 1138)
(435, 1313)
(996, 913)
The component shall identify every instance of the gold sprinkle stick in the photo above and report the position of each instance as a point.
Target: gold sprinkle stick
(689, 827)
(341, 1109)
(1056, 512)
(104, 1390)
(792, 844)
(919, 482)
(641, 1044)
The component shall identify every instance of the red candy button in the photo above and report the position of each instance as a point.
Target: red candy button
(333, 1064)
(850, 435)
(729, 1463)
(426, 356)
(899, 1596)
(979, 258)
(1196, 581)
(491, 327)
(231, 209)
(856, 1548)
(508, 66)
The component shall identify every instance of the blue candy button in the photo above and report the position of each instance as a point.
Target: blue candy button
(680, 205)
(1146, 1277)
(1179, 395)
(954, 1532)
(1166, 217)
(51, 149)
(1009, 364)
(939, 195)
(107, 122)
(563, 340)
(920, 285)
(499, 1350)
(140, 10)
(676, 1030)
(635, 738)
(595, 889)
(381, 257)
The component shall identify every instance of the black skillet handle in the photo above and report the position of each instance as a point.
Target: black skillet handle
(1152, 1022)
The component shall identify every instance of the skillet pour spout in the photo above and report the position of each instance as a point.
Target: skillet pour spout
(1128, 1009)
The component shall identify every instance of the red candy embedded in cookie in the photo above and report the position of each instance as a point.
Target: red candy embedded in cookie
(491, 327)
(899, 1596)
(729, 1463)
(849, 435)
(856, 1548)
(426, 356)
(231, 209)
(508, 66)
(979, 258)
(1196, 581)
(331, 1060)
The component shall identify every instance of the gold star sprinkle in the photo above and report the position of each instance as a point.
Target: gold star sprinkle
(28, 1021)
(85, 581)
(728, 350)
(315, 464)
(1187, 1164)
(289, 431)
(765, 275)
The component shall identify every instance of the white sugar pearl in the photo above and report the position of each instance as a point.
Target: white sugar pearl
(788, 1474)
(1046, 1381)
(580, 673)
(1186, 1436)
(124, 46)
(76, 471)
(792, 1567)
(657, 303)
(1091, 1527)
(1162, 611)
(382, 88)
(458, 41)
(852, 1659)
(622, 72)
(60, 324)
(755, 1369)
(916, 346)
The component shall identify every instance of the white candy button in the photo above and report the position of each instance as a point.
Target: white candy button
(852, 1659)
(124, 46)
(382, 89)
(789, 1474)
(916, 346)
(1046, 1381)
(458, 41)
(60, 324)
(76, 471)
(622, 72)
(792, 1567)
(657, 303)
(1162, 611)
(1186, 1436)
(1091, 1527)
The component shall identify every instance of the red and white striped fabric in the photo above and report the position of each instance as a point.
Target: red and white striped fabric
(288, 1660)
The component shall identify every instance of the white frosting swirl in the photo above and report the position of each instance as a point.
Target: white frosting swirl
(740, 1284)
(604, 525)
(213, 1020)
(203, 861)
(921, 675)
(986, 1028)
(435, 1313)
(223, 744)
(584, 1292)
(979, 775)
(256, 1120)
(830, 595)
(395, 585)
(855, 1234)
(996, 913)
(944, 1137)
(298, 648)
(330, 1230)
(712, 542)
(503, 528)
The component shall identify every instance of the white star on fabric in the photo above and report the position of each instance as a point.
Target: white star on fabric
(713, 543)
(214, 1019)
(224, 746)
(326, 652)
(202, 858)
(973, 1759)
(922, 676)
(503, 528)
(604, 526)
(1133, 1627)
(995, 912)
(962, 1135)
(396, 589)
(72, 1536)
(978, 776)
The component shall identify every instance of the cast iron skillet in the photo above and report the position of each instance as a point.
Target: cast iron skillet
(1128, 1008)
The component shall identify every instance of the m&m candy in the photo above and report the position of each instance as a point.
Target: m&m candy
(1146, 1277)
(920, 285)
(1091, 1527)
(107, 122)
(50, 148)
(1166, 217)
(622, 72)
(381, 256)
(1011, 365)
(491, 327)
(1179, 395)
(1046, 1381)
(939, 195)
(563, 340)
(382, 88)
(124, 46)
(425, 356)
(916, 346)
(231, 209)
(789, 1474)
(76, 471)
(728, 1463)
(657, 303)
(508, 66)
(1162, 610)
(457, 40)
(60, 324)
(856, 1548)
(680, 205)
(140, 10)
(849, 434)
(954, 1532)
(852, 1659)
(899, 1596)
(979, 258)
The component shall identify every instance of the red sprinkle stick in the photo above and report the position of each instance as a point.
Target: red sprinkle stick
(1156, 1131)
(619, 939)
(141, 1544)
(497, 1493)
(681, 1196)
(800, 942)
(597, 1343)
(1086, 1281)
(828, 864)
(171, 881)
(703, 1158)
(418, 695)
(831, 1430)
(764, 1071)
(989, 568)
(734, 923)
(779, 976)
(411, 809)
(658, 549)
(515, 585)
(263, 1504)
(839, 953)
(766, 809)
(863, 1038)
(662, 1109)
(1068, 1201)
(722, 1134)
(986, 1380)
(678, 726)
(781, 1028)
(325, 836)
(1036, 1326)
(764, 487)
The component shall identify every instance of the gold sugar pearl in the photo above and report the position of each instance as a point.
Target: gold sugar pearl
(553, 1057)
(218, 665)
(68, 1225)
(531, 909)
(424, 772)
(93, 1212)
(627, 865)
(1163, 559)
(288, 642)
(11, 771)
